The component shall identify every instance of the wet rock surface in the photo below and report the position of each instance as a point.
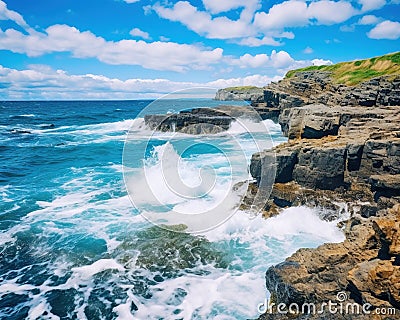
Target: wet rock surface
(196, 121)
(342, 155)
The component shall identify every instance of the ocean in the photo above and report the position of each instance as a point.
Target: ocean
(78, 239)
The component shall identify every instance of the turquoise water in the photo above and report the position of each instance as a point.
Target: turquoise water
(73, 246)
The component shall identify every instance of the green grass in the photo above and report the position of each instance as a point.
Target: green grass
(355, 72)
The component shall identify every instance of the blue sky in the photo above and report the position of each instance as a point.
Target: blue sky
(132, 49)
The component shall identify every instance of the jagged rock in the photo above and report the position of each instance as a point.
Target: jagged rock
(356, 266)
(188, 123)
(311, 121)
(285, 159)
(386, 184)
(376, 282)
(321, 167)
(247, 94)
(315, 87)
(343, 150)
(367, 211)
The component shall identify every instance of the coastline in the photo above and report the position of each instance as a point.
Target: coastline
(342, 153)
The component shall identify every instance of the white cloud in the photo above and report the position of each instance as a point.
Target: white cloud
(155, 55)
(363, 21)
(136, 32)
(286, 14)
(321, 62)
(255, 28)
(277, 60)
(268, 40)
(253, 80)
(308, 50)
(330, 12)
(203, 23)
(131, 1)
(257, 61)
(256, 42)
(219, 6)
(367, 5)
(281, 59)
(368, 20)
(41, 82)
(295, 13)
(385, 30)
(6, 14)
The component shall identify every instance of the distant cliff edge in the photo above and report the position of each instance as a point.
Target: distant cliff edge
(247, 93)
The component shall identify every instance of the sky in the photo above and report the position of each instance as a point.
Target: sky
(137, 49)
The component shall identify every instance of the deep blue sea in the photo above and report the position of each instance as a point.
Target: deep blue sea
(74, 246)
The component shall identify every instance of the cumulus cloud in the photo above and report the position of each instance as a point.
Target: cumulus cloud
(295, 13)
(253, 80)
(257, 42)
(363, 21)
(219, 6)
(41, 82)
(368, 20)
(277, 60)
(273, 38)
(131, 1)
(155, 55)
(250, 61)
(254, 28)
(367, 5)
(308, 50)
(285, 14)
(385, 30)
(136, 32)
(203, 23)
(330, 12)
(321, 62)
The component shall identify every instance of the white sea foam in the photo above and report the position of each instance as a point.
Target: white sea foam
(248, 126)
(84, 273)
(267, 241)
(184, 188)
(30, 115)
(291, 222)
(78, 207)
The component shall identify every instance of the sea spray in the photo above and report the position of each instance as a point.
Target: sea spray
(72, 245)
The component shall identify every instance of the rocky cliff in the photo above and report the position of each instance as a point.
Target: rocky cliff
(240, 93)
(343, 152)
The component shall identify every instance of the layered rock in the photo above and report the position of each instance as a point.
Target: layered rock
(315, 87)
(191, 123)
(240, 93)
(365, 266)
(348, 151)
(206, 120)
(342, 154)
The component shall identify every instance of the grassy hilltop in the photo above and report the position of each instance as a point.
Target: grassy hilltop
(354, 72)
